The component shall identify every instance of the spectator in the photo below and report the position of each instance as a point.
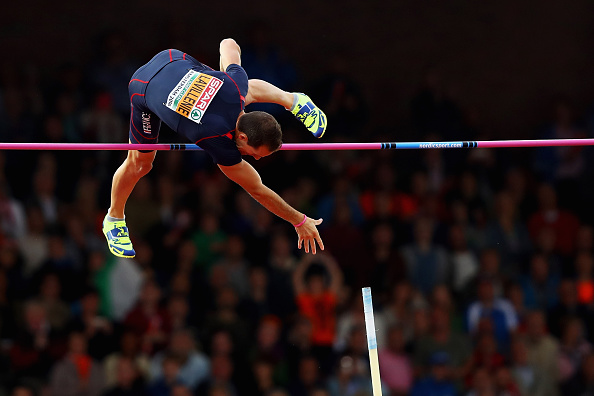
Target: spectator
(269, 348)
(97, 329)
(128, 381)
(342, 239)
(583, 382)
(150, 319)
(567, 307)
(386, 266)
(178, 310)
(130, 348)
(77, 373)
(58, 313)
(427, 264)
(489, 267)
(541, 285)
(395, 366)
(464, 262)
(163, 386)
(549, 215)
(482, 383)
(400, 309)
(505, 383)
(439, 379)
(36, 345)
(34, 243)
(225, 317)
(515, 295)
(235, 266)
(44, 194)
(209, 241)
(308, 377)
(508, 235)
(194, 366)
(256, 303)
(490, 312)
(573, 348)
(343, 193)
(281, 264)
(442, 297)
(263, 372)
(221, 380)
(317, 299)
(352, 317)
(526, 375)
(441, 339)
(299, 342)
(543, 351)
(61, 264)
(349, 379)
(486, 354)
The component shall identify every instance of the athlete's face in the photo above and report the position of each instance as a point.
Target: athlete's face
(245, 149)
(257, 153)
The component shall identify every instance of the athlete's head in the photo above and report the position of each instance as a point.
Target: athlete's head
(258, 134)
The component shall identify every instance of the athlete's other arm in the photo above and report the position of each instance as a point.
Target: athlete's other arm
(230, 53)
(248, 178)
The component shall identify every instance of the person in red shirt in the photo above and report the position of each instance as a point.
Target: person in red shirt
(316, 299)
(564, 223)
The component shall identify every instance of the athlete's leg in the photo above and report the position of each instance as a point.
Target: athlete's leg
(260, 91)
(300, 105)
(135, 166)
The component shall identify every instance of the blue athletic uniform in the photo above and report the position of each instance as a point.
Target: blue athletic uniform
(192, 99)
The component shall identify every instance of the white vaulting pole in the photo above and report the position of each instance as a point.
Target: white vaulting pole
(371, 341)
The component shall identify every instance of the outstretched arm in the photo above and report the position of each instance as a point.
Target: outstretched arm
(248, 178)
(260, 91)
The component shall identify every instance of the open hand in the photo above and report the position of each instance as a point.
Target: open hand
(308, 235)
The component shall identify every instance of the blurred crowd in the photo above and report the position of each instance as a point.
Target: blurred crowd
(481, 262)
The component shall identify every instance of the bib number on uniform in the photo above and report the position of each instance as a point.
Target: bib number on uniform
(193, 94)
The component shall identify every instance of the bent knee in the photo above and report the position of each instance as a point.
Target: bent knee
(140, 163)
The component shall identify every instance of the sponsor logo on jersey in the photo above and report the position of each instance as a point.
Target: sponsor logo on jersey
(193, 94)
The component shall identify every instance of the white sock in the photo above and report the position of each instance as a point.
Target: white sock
(295, 100)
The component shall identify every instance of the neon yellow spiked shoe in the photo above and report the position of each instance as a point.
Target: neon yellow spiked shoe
(309, 114)
(118, 238)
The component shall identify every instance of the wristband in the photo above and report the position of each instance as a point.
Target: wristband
(302, 222)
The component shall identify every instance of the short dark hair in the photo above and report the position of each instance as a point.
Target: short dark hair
(261, 129)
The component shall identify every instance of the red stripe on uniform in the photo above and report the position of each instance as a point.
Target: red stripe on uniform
(228, 135)
(170, 56)
(135, 79)
(184, 56)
